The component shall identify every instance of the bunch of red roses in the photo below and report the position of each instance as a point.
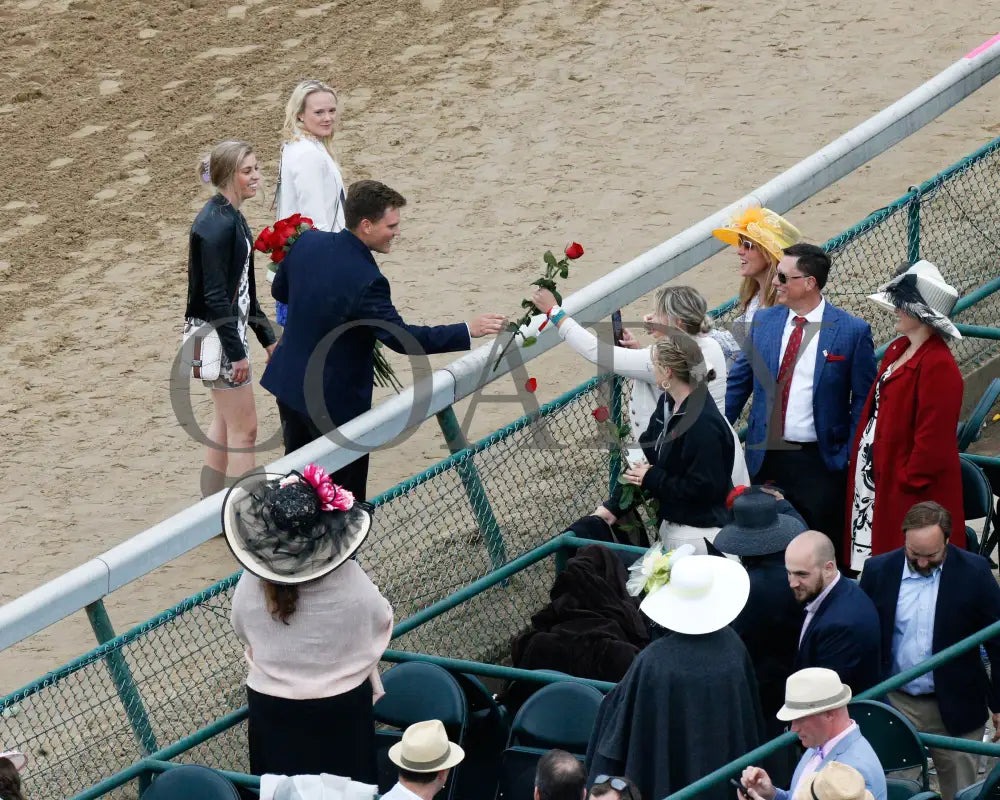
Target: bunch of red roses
(279, 240)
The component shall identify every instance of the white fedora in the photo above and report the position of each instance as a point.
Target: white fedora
(704, 594)
(836, 781)
(15, 757)
(921, 292)
(425, 748)
(289, 529)
(811, 691)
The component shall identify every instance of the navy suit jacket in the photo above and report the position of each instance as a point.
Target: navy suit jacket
(844, 635)
(331, 280)
(968, 600)
(844, 372)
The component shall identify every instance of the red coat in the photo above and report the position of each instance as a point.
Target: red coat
(916, 445)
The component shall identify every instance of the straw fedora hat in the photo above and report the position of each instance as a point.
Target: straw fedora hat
(704, 594)
(289, 529)
(763, 227)
(16, 757)
(425, 748)
(811, 691)
(921, 292)
(757, 528)
(835, 781)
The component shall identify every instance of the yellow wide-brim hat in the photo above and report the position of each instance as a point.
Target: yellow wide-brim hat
(763, 227)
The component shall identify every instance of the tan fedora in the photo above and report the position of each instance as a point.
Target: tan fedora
(425, 748)
(811, 691)
(836, 781)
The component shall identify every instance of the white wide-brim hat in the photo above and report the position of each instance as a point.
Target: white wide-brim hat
(813, 690)
(425, 748)
(922, 293)
(288, 539)
(704, 594)
(16, 757)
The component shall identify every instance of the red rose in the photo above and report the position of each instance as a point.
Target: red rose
(282, 230)
(294, 220)
(575, 250)
(733, 494)
(278, 255)
(305, 221)
(531, 384)
(601, 413)
(263, 243)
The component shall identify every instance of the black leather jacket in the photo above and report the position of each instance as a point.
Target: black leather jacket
(217, 251)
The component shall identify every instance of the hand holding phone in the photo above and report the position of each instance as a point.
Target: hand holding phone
(616, 327)
(740, 788)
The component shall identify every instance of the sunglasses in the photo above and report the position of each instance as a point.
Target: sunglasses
(617, 784)
(746, 243)
(783, 278)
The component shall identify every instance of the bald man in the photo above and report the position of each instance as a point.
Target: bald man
(841, 627)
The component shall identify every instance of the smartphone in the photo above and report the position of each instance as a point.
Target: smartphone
(616, 327)
(739, 787)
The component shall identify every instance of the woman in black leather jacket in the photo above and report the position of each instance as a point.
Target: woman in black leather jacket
(222, 291)
(690, 460)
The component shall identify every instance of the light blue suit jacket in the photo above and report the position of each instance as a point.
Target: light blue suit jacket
(843, 375)
(854, 751)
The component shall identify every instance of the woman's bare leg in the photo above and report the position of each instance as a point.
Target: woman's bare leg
(238, 414)
(213, 474)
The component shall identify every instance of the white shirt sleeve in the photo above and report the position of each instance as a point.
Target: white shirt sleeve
(311, 185)
(635, 364)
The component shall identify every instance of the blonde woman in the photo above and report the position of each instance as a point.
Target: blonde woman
(760, 237)
(689, 459)
(309, 181)
(222, 291)
(677, 307)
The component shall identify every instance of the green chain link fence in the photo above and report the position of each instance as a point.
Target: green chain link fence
(184, 670)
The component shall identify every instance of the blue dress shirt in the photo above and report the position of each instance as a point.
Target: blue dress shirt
(913, 635)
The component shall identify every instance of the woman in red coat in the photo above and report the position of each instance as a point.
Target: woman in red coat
(906, 446)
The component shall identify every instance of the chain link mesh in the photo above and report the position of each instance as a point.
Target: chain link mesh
(430, 540)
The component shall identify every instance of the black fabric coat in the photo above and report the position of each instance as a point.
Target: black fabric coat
(217, 251)
(591, 627)
(692, 468)
(687, 706)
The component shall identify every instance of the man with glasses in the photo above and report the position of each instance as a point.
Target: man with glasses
(611, 787)
(929, 595)
(809, 366)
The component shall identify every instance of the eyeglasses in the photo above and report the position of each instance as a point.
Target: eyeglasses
(747, 244)
(783, 278)
(618, 784)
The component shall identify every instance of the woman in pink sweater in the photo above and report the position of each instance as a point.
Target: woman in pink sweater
(313, 623)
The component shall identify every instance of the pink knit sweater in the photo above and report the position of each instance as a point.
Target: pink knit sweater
(333, 641)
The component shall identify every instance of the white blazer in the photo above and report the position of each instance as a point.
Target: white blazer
(311, 185)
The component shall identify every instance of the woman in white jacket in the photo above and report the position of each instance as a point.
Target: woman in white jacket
(309, 180)
(676, 306)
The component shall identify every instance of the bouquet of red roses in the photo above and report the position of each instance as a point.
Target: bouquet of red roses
(277, 241)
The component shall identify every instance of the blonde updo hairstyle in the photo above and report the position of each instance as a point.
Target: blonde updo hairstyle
(679, 353)
(686, 307)
(220, 167)
(293, 128)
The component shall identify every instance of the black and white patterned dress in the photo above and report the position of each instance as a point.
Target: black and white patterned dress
(863, 510)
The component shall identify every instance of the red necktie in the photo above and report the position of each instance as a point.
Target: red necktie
(788, 365)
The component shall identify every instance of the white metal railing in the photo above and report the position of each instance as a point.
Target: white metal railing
(171, 538)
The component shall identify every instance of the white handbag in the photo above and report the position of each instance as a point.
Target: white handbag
(201, 348)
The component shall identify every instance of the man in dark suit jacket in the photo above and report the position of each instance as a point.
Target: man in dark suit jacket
(809, 366)
(338, 305)
(929, 595)
(841, 628)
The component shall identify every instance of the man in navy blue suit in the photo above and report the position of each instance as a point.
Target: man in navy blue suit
(841, 627)
(322, 370)
(809, 366)
(929, 595)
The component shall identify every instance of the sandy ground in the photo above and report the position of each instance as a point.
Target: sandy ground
(511, 128)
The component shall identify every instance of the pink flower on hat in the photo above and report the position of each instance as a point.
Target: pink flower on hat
(331, 496)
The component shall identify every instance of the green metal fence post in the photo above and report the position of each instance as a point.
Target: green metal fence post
(617, 412)
(128, 692)
(913, 227)
(467, 471)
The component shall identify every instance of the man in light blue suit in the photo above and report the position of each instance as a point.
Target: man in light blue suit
(809, 366)
(816, 706)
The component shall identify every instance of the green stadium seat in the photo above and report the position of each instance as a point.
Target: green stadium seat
(977, 502)
(190, 781)
(892, 736)
(988, 789)
(969, 429)
(560, 715)
(902, 789)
